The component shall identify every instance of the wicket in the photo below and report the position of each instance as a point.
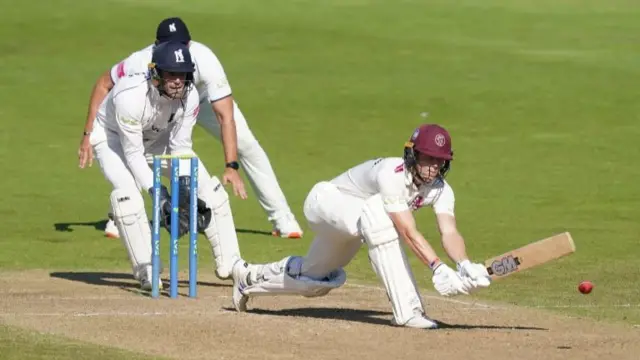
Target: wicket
(173, 243)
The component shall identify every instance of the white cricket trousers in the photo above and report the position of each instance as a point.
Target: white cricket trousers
(333, 216)
(253, 159)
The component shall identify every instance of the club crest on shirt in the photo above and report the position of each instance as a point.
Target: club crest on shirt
(416, 203)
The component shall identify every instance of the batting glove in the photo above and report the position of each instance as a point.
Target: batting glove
(473, 275)
(447, 282)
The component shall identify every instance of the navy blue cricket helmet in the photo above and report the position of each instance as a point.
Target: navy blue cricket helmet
(172, 57)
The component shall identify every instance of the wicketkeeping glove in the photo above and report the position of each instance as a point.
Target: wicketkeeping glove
(204, 213)
(165, 212)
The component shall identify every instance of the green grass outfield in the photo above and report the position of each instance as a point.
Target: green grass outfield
(541, 98)
(17, 344)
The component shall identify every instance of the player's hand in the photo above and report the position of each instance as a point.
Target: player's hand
(473, 275)
(447, 282)
(85, 152)
(184, 194)
(166, 208)
(231, 176)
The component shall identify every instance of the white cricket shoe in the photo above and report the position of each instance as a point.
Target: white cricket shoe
(111, 230)
(286, 227)
(144, 276)
(419, 321)
(239, 273)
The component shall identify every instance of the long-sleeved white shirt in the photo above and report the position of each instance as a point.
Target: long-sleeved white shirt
(135, 110)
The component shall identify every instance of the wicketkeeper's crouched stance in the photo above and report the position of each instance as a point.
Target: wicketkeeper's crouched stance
(372, 203)
(153, 114)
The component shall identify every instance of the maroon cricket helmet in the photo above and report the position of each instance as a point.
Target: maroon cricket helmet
(432, 140)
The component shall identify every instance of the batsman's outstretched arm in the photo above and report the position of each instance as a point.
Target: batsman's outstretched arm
(473, 275)
(406, 226)
(452, 240)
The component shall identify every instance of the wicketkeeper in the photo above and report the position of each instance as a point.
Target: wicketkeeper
(149, 114)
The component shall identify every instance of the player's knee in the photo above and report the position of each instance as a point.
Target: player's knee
(375, 225)
(313, 286)
(214, 195)
(249, 146)
(127, 205)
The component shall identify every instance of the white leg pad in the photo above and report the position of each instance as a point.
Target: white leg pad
(221, 232)
(389, 261)
(283, 278)
(133, 225)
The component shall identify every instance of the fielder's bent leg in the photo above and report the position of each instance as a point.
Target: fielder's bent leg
(392, 267)
(132, 222)
(221, 231)
(257, 166)
(127, 206)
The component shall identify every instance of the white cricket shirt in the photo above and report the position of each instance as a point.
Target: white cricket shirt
(136, 112)
(389, 178)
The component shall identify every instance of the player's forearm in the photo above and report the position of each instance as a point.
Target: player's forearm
(99, 92)
(420, 247)
(224, 113)
(140, 169)
(454, 246)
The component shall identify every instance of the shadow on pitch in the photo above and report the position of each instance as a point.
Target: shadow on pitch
(371, 317)
(68, 227)
(446, 326)
(353, 315)
(120, 280)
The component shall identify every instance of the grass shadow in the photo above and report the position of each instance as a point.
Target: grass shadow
(99, 225)
(253, 232)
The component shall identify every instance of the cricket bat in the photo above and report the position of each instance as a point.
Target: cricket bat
(531, 255)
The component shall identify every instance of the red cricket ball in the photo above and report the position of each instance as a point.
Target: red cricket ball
(585, 287)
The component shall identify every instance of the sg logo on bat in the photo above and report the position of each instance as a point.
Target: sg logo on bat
(504, 265)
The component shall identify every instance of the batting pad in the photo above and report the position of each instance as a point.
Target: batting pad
(389, 261)
(133, 224)
(221, 231)
(284, 278)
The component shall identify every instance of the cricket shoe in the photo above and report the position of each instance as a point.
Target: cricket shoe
(146, 285)
(240, 272)
(419, 321)
(144, 276)
(111, 230)
(286, 227)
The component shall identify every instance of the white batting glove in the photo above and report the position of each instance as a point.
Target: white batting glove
(473, 275)
(447, 282)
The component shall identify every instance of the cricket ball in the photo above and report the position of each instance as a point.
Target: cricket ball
(585, 287)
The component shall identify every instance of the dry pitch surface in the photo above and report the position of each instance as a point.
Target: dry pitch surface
(353, 322)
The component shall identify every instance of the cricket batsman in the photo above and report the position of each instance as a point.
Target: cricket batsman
(372, 203)
(221, 117)
(154, 113)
